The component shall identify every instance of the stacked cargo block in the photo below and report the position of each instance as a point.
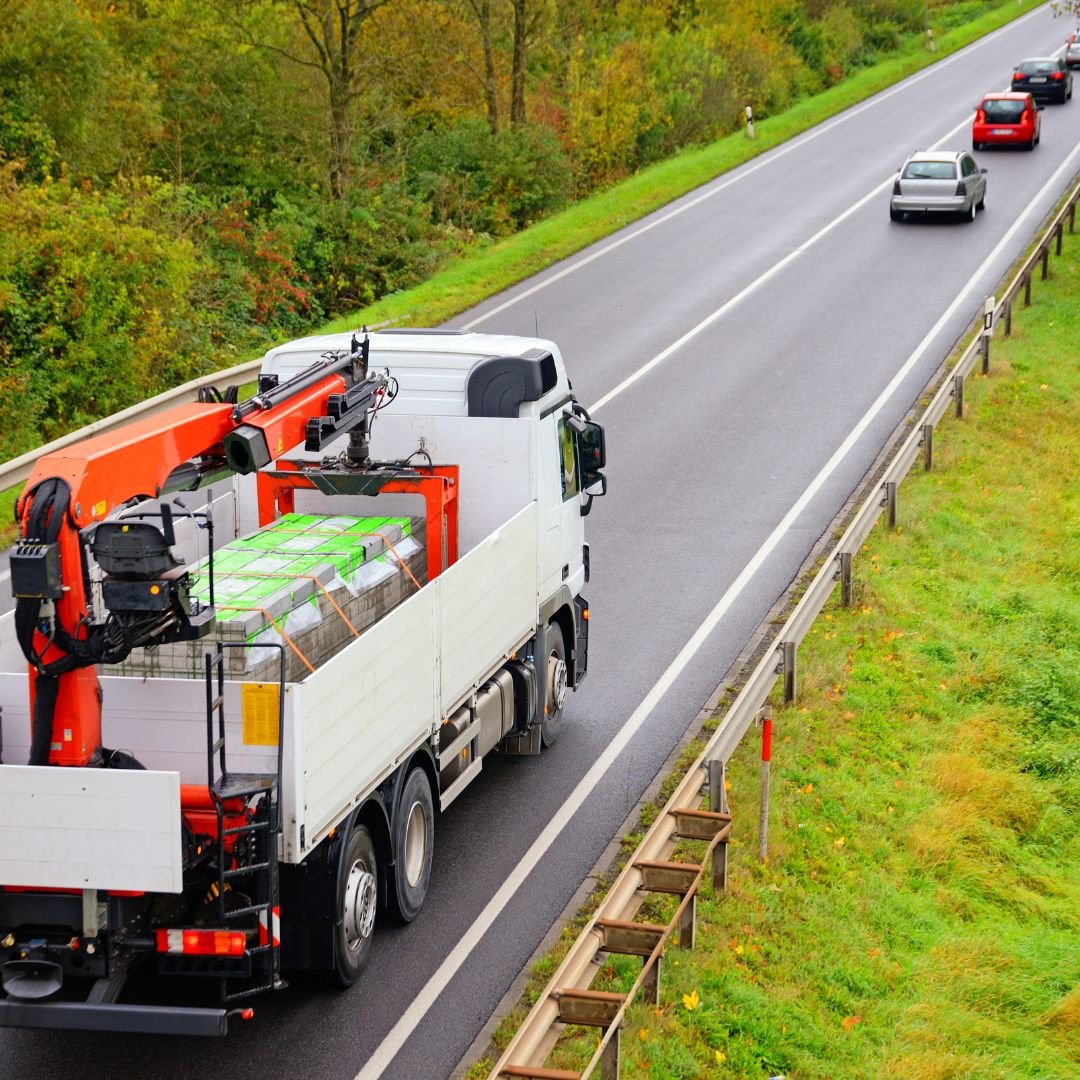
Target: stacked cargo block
(318, 578)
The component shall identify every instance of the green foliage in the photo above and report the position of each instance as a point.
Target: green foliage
(484, 183)
(91, 303)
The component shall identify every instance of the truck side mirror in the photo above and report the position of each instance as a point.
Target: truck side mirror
(592, 457)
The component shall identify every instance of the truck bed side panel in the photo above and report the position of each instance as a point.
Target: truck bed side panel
(370, 704)
(487, 605)
(90, 829)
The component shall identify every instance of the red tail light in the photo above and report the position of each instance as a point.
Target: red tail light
(1018, 76)
(1057, 76)
(202, 942)
(980, 117)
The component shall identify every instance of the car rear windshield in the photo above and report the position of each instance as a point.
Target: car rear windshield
(929, 170)
(1003, 112)
(1036, 67)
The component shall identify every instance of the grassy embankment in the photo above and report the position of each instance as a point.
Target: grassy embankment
(919, 912)
(481, 274)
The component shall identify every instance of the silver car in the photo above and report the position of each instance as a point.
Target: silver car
(1072, 51)
(938, 182)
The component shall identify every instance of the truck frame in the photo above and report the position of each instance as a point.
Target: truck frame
(248, 829)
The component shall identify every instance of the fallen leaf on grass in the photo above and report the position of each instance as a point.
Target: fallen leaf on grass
(721, 1057)
(691, 1001)
(808, 789)
(849, 1022)
(643, 1034)
(840, 842)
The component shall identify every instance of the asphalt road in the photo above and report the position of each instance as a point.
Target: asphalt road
(806, 324)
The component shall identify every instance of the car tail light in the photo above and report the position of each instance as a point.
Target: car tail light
(1018, 76)
(896, 186)
(960, 189)
(980, 117)
(202, 942)
(1057, 76)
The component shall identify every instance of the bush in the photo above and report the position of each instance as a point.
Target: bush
(495, 184)
(91, 304)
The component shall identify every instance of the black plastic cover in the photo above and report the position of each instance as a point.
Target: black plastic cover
(35, 570)
(498, 386)
(132, 551)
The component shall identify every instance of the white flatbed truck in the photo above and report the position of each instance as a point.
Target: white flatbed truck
(248, 830)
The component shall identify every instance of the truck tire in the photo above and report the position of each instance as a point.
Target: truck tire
(359, 889)
(414, 846)
(554, 671)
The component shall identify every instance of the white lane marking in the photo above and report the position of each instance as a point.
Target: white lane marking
(767, 159)
(388, 1049)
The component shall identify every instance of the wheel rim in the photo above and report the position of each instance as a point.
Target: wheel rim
(556, 681)
(359, 905)
(416, 842)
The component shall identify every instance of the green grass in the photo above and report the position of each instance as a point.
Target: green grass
(919, 913)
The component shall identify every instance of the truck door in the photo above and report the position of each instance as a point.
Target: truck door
(571, 524)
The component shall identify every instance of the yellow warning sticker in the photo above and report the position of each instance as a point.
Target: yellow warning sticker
(259, 712)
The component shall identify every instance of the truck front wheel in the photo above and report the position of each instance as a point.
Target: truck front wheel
(555, 673)
(359, 890)
(414, 846)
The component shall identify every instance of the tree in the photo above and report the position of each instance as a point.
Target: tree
(527, 19)
(481, 11)
(328, 45)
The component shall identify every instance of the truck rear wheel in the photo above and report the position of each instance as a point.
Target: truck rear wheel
(554, 671)
(359, 890)
(414, 846)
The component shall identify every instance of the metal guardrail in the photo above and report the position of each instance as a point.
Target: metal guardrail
(17, 470)
(566, 1000)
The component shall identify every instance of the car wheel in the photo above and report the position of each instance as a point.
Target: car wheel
(555, 674)
(356, 904)
(414, 845)
(896, 215)
(976, 145)
(981, 204)
(970, 213)
(1030, 145)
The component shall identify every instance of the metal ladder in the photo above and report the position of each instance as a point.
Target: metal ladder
(257, 868)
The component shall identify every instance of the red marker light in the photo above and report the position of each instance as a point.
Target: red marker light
(247, 1014)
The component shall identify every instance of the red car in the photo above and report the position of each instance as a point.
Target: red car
(1008, 120)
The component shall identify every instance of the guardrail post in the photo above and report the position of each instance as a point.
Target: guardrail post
(766, 760)
(787, 666)
(609, 1059)
(889, 502)
(718, 802)
(928, 446)
(1045, 262)
(987, 332)
(1072, 217)
(688, 921)
(845, 578)
(1027, 289)
(958, 393)
(1008, 317)
(1059, 233)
